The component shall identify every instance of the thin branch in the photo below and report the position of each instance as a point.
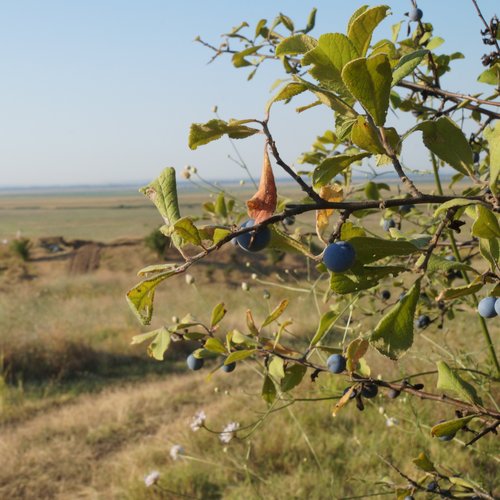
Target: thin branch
(487, 26)
(490, 428)
(463, 99)
(397, 165)
(305, 187)
(435, 239)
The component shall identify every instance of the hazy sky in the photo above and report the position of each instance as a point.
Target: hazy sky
(96, 91)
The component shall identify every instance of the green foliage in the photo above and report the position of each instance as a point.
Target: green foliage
(21, 247)
(157, 242)
(361, 80)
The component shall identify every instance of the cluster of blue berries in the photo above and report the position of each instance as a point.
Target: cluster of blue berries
(195, 363)
(489, 307)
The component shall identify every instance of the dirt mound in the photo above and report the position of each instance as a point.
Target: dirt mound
(85, 259)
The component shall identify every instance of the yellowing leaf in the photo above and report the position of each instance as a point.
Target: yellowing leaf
(333, 193)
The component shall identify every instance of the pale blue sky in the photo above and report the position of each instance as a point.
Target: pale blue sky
(96, 91)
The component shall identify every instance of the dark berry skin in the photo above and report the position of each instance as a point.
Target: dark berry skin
(446, 438)
(369, 390)
(336, 363)
(339, 256)
(229, 368)
(423, 321)
(409, 497)
(289, 221)
(415, 15)
(254, 241)
(404, 209)
(432, 486)
(386, 295)
(393, 394)
(388, 223)
(194, 363)
(486, 307)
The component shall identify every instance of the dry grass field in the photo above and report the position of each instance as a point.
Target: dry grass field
(83, 414)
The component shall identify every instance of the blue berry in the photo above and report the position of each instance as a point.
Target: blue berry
(388, 223)
(497, 306)
(369, 390)
(423, 321)
(254, 241)
(339, 256)
(432, 486)
(404, 209)
(487, 307)
(194, 363)
(386, 295)
(229, 368)
(415, 14)
(336, 363)
(447, 437)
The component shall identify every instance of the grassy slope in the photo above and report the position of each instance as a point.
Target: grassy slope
(87, 416)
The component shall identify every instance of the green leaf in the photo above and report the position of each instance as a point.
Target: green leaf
(287, 92)
(156, 268)
(369, 80)
(486, 224)
(364, 278)
(239, 60)
(296, 44)
(450, 427)
(356, 14)
(325, 325)
(240, 338)
(407, 65)
(449, 380)
(373, 249)
(239, 355)
(460, 291)
(268, 390)
(424, 463)
(490, 250)
(393, 335)
(187, 231)
(220, 206)
(361, 28)
(457, 202)
(203, 133)
(330, 99)
(163, 193)
(355, 351)
(437, 263)
(490, 76)
(492, 135)
(293, 377)
(138, 339)
(349, 231)
(365, 136)
(220, 234)
(283, 241)
(140, 298)
(445, 139)
(332, 166)
(333, 52)
(218, 312)
(276, 368)
(276, 313)
(213, 344)
(311, 20)
(434, 43)
(160, 344)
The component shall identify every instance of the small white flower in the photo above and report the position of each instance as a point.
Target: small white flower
(229, 432)
(381, 410)
(254, 276)
(151, 478)
(245, 286)
(198, 420)
(242, 182)
(391, 422)
(176, 451)
(189, 279)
